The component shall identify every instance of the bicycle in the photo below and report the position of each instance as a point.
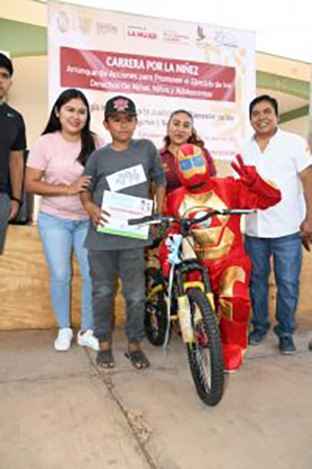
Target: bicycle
(189, 302)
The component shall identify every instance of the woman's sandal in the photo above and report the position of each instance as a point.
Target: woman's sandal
(105, 359)
(138, 359)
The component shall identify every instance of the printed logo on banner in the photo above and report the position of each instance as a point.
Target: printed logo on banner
(175, 37)
(85, 24)
(63, 22)
(141, 32)
(218, 38)
(106, 28)
(200, 33)
(225, 38)
(204, 39)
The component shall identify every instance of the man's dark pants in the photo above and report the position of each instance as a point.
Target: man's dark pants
(4, 217)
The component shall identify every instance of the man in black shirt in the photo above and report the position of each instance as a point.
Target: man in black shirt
(12, 146)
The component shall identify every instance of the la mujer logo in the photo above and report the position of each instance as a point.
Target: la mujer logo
(141, 32)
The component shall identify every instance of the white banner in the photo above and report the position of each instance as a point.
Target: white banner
(162, 65)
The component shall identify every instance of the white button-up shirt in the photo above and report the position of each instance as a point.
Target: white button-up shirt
(285, 156)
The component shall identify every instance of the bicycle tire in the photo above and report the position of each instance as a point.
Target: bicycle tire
(155, 317)
(205, 355)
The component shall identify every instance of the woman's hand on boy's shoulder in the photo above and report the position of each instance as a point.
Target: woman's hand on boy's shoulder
(80, 185)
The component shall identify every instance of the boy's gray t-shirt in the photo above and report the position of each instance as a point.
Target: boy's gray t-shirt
(105, 162)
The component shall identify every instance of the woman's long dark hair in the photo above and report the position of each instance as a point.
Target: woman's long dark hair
(53, 125)
(194, 138)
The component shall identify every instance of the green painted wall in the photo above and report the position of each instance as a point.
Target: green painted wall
(291, 86)
(284, 84)
(22, 39)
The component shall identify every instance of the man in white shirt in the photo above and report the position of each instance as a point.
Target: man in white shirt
(277, 232)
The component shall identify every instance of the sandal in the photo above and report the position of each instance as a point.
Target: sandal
(138, 359)
(105, 359)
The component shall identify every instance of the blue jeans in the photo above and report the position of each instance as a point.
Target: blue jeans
(59, 238)
(287, 258)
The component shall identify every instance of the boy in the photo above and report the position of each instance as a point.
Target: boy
(125, 166)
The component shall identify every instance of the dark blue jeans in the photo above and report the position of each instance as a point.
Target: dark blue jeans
(287, 260)
(105, 266)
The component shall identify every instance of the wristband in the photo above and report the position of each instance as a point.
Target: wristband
(19, 201)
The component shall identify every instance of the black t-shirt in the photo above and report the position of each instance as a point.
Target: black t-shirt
(12, 137)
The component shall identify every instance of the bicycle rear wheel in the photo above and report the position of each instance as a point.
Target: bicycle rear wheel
(155, 320)
(205, 354)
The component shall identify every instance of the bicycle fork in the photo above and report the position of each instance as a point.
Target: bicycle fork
(184, 308)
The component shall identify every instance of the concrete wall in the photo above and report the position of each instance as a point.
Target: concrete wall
(29, 93)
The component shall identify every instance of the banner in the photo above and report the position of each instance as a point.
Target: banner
(162, 65)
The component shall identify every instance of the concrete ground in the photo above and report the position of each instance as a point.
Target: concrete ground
(59, 411)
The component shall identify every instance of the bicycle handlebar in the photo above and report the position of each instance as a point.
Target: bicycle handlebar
(161, 219)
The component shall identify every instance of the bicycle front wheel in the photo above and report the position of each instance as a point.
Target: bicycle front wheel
(205, 353)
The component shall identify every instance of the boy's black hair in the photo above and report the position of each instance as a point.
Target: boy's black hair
(263, 97)
(6, 63)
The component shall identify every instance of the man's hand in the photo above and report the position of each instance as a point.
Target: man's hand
(248, 174)
(96, 214)
(305, 243)
(306, 234)
(14, 209)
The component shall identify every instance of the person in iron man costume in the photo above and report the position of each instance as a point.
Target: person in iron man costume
(220, 244)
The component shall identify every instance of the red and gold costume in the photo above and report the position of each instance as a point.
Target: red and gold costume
(220, 245)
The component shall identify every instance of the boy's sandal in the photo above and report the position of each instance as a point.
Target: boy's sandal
(105, 359)
(138, 359)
